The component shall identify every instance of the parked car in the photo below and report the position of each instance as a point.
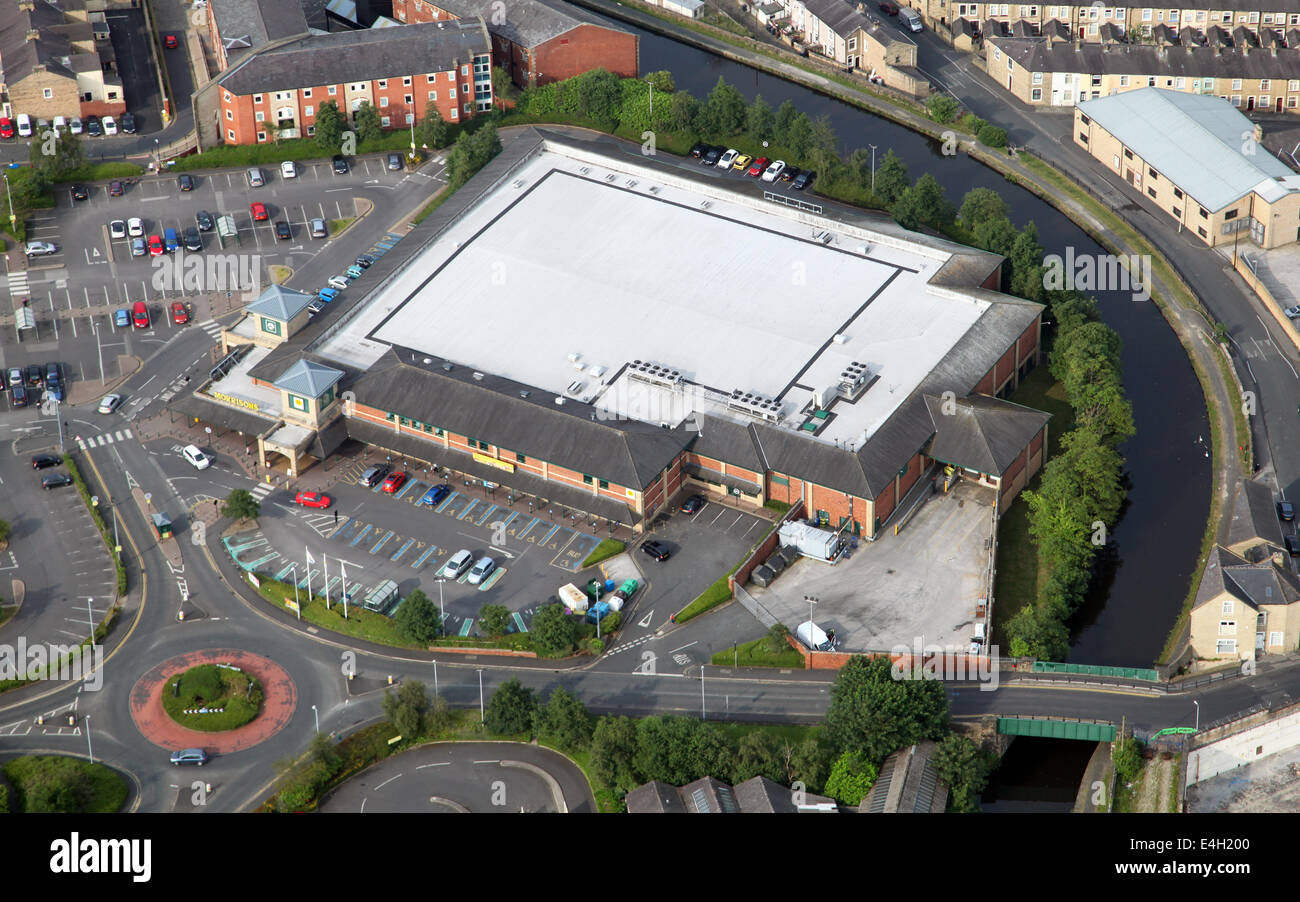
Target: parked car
(16, 375)
(657, 550)
(372, 475)
(34, 375)
(1292, 544)
(115, 188)
(317, 228)
(41, 461)
(185, 181)
(204, 221)
(80, 192)
(393, 483)
(312, 499)
(327, 294)
(190, 756)
(55, 480)
(94, 128)
(282, 230)
(758, 166)
(395, 162)
(459, 563)
(117, 228)
(481, 570)
(191, 239)
(313, 308)
(170, 41)
(889, 9)
(727, 159)
(288, 169)
(156, 248)
(171, 240)
(40, 248)
(340, 164)
(1292, 312)
(140, 315)
(1285, 511)
(741, 163)
(128, 123)
(122, 317)
(774, 171)
(692, 504)
(109, 403)
(75, 125)
(365, 261)
(255, 179)
(110, 125)
(434, 496)
(196, 457)
(18, 393)
(804, 180)
(135, 227)
(711, 156)
(258, 209)
(6, 127)
(698, 150)
(180, 316)
(24, 123)
(138, 247)
(338, 282)
(355, 271)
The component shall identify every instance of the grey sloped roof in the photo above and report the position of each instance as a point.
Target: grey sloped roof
(1193, 140)
(252, 23)
(982, 433)
(839, 16)
(727, 440)
(308, 378)
(353, 56)
(908, 784)
(709, 795)
(625, 452)
(19, 56)
(1253, 516)
(655, 797)
(1253, 584)
(530, 23)
(280, 302)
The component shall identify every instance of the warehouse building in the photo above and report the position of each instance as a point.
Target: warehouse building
(603, 329)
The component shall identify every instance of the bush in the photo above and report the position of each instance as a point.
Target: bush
(971, 123)
(992, 136)
(942, 108)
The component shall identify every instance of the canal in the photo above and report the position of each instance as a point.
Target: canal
(1144, 571)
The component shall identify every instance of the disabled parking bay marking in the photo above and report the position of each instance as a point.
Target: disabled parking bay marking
(381, 542)
(361, 535)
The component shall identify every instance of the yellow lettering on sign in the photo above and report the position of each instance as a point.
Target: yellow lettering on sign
(494, 462)
(237, 402)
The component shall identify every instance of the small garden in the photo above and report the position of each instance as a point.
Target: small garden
(212, 698)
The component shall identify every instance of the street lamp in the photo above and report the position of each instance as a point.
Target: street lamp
(90, 751)
(13, 220)
(1198, 714)
(482, 715)
(873, 168)
(702, 715)
(811, 601)
(317, 713)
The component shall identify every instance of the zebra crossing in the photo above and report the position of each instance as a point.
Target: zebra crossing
(261, 490)
(212, 327)
(104, 438)
(18, 287)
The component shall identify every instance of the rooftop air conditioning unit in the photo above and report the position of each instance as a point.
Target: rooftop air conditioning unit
(839, 338)
(584, 170)
(575, 387)
(611, 177)
(478, 377)
(597, 371)
(654, 189)
(631, 183)
(705, 204)
(574, 357)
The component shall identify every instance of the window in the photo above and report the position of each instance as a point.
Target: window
(1151, 172)
(455, 113)
(853, 43)
(230, 135)
(1231, 214)
(437, 431)
(451, 93)
(383, 101)
(1036, 94)
(406, 82)
(1236, 100)
(1291, 102)
(1083, 136)
(257, 98)
(1178, 214)
(407, 98)
(604, 483)
(464, 70)
(1178, 195)
(383, 83)
(384, 121)
(522, 458)
(1227, 627)
(1123, 81)
(467, 109)
(1180, 83)
(1128, 154)
(1236, 84)
(227, 97)
(586, 479)
(1293, 84)
(1146, 15)
(426, 427)
(1264, 84)
(1096, 81)
(433, 96)
(389, 418)
(451, 76)
(259, 116)
(1151, 82)
(1275, 638)
(229, 115)
(332, 90)
(48, 93)
(309, 111)
(261, 136)
(1226, 646)
(1202, 233)
(1227, 606)
(1204, 214)
(1037, 78)
(306, 92)
(311, 130)
(1151, 191)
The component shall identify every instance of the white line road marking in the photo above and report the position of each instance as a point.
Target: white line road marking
(437, 764)
(386, 782)
(688, 645)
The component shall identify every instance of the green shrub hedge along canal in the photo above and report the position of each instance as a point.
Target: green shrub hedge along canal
(212, 698)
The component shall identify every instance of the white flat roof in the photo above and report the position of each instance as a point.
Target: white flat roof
(732, 291)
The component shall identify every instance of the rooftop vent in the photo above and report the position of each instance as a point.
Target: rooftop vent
(584, 170)
(575, 387)
(631, 183)
(559, 400)
(518, 183)
(611, 177)
(447, 367)
(854, 380)
(574, 357)
(524, 393)
(840, 338)
(654, 189)
(428, 360)
(478, 377)
(705, 204)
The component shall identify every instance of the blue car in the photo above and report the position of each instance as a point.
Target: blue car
(435, 495)
(122, 318)
(355, 271)
(327, 294)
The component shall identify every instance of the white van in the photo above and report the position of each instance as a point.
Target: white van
(911, 18)
(60, 123)
(24, 125)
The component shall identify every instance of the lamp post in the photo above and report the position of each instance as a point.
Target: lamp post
(13, 220)
(482, 715)
(90, 750)
(317, 713)
(442, 611)
(811, 601)
(873, 168)
(702, 715)
(1198, 714)
(296, 603)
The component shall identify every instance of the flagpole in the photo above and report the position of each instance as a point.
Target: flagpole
(344, 587)
(310, 561)
(325, 562)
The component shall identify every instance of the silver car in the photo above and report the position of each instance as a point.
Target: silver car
(483, 568)
(109, 403)
(40, 248)
(458, 564)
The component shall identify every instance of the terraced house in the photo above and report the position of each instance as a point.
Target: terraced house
(57, 60)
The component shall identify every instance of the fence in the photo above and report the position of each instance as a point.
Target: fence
(764, 548)
(755, 607)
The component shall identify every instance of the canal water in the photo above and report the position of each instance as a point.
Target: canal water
(1038, 775)
(1146, 566)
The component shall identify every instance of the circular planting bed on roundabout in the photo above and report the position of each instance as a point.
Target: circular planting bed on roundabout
(212, 698)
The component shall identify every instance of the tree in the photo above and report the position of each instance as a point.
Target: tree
(367, 123)
(683, 110)
(418, 619)
(799, 136)
(241, 505)
(678, 750)
(852, 777)
(1036, 636)
(613, 752)
(760, 118)
(662, 80)
(996, 235)
(330, 126)
(1127, 755)
(4, 531)
(406, 708)
(554, 633)
(778, 638)
(565, 719)
(323, 750)
(892, 178)
(874, 713)
(596, 94)
(965, 768)
(504, 91)
(823, 146)
(942, 108)
(758, 754)
(807, 762)
(432, 130)
(55, 152)
(470, 153)
(923, 203)
(494, 618)
(1026, 264)
(982, 205)
(1091, 467)
(511, 709)
(723, 113)
(992, 136)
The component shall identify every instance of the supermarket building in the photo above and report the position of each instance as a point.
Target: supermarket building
(698, 334)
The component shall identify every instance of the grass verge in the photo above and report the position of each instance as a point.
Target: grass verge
(98, 519)
(757, 654)
(710, 598)
(604, 551)
(101, 790)
(338, 226)
(360, 623)
(236, 693)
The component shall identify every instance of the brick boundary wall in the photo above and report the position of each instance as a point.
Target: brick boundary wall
(766, 547)
(505, 652)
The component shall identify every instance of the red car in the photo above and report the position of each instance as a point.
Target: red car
(312, 499)
(258, 209)
(170, 41)
(6, 128)
(140, 315)
(888, 8)
(155, 246)
(180, 316)
(758, 166)
(393, 483)
(115, 189)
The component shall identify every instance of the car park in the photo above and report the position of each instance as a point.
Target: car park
(190, 756)
(657, 550)
(693, 504)
(185, 181)
(40, 249)
(727, 159)
(18, 394)
(180, 316)
(155, 246)
(41, 461)
(314, 307)
(1285, 511)
(741, 163)
(140, 315)
(288, 169)
(435, 495)
(805, 179)
(318, 228)
(774, 171)
(698, 150)
(365, 261)
(121, 317)
(191, 239)
(170, 41)
(758, 166)
(94, 128)
(80, 192)
(355, 271)
(790, 173)
(312, 499)
(258, 209)
(372, 475)
(340, 164)
(117, 228)
(108, 403)
(115, 189)
(203, 219)
(75, 125)
(394, 162)
(34, 375)
(195, 456)
(481, 570)
(711, 156)
(128, 123)
(55, 480)
(255, 179)
(6, 127)
(282, 231)
(138, 247)
(393, 483)
(459, 563)
(338, 282)
(110, 125)
(327, 294)
(15, 375)
(135, 227)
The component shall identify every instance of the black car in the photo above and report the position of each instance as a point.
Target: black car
(790, 173)
(1285, 511)
(93, 127)
(19, 394)
(395, 162)
(205, 221)
(186, 181)
(692, 504)
(657, 550)
(1293, 545)
(282, 230)
(365, 261)
(712, 155)
(372, 476)
(804, 179)
(34, 375)
(54, 480)
(192, 240)
(340, 165)
(698, 150)
(41, 461)
(128, 124)
(79, 192)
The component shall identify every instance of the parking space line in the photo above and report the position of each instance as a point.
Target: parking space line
(334, 581)
(465, 627)
(311, 574)
(342, 526)
(519, 625)
(419, 561)
(361, 535)
(382, 542)
(529, 527)
(505, 525)
(288, 568)
(546, 538)
(401, 551)
(472, 504)
(483, 519)
(445, 502)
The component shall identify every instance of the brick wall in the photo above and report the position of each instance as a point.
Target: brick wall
(766, 547)
(585, 48)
